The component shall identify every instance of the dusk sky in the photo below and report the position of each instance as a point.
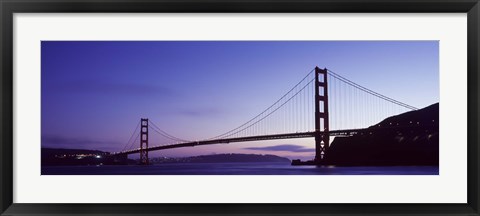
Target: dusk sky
(95, 92)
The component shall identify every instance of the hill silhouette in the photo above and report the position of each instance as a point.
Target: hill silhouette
(392, 144)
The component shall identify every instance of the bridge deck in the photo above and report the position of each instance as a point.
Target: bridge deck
(242, 139)
(347, 132)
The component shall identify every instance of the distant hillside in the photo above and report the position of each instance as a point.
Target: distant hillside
(392, 144)
(223, 158)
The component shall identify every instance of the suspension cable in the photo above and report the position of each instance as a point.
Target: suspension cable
(252, 119)
(274, 109)
(370, 91)
(131, 136)
(165, 134)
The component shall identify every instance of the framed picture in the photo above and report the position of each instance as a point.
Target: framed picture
(261, 108)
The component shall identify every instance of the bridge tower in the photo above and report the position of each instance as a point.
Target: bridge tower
(144, 141)
(322, 136)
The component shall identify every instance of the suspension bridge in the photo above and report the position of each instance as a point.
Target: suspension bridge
(321, 105)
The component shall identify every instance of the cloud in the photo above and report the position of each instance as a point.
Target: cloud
(80, 143)
(285, 147)
(95, 87)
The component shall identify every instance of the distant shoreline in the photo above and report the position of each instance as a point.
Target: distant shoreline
(75, 157)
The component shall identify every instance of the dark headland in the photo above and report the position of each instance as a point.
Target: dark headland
(396, 143)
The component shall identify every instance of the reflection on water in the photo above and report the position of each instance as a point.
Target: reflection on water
(236, 169)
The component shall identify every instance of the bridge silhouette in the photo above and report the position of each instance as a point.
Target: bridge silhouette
(321, 105)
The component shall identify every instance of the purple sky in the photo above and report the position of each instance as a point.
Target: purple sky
(94, 93)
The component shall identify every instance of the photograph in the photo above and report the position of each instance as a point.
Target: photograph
(162, 107)
(240, 107)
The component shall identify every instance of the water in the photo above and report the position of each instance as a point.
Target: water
(235, 169)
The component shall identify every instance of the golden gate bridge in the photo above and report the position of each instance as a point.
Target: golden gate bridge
(321, 105)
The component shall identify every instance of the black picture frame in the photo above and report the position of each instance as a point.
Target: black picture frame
(9, 7)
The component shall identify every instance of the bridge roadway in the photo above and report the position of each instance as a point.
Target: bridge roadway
(347, 132)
